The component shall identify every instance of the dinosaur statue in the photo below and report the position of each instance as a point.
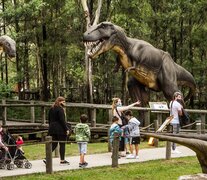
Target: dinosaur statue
(8, 45)
(151, 68)
(195, 142)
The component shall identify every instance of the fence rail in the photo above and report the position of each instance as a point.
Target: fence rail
(157, 113)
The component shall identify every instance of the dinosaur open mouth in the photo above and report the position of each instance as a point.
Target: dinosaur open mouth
(93, 46)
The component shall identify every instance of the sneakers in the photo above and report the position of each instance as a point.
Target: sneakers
(131, 156)
(176, 151)
(64, 162)
(137, 157)
(44, 161)
(122, 154)
(83, 164)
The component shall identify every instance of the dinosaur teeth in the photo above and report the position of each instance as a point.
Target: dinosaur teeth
(92, 46)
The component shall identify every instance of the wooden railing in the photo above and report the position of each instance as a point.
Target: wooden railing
(92, 107)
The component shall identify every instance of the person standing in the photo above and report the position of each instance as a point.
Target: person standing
(176, 110)
(2, 145)
(117, 110)
(114, 128)
(58, 127)
(134, 134)
(82, 135)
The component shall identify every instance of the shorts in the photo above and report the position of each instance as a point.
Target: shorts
(134, 140)
(82, 147)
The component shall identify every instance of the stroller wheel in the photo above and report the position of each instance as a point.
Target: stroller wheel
(28, 165)
(20, 165)
(2, 166)
(10, 166)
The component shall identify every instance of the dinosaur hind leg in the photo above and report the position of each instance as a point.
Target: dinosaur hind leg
(137, 91)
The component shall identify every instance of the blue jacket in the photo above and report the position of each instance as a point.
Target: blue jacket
(114, 128)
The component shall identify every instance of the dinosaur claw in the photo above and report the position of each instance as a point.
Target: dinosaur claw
(129, 69)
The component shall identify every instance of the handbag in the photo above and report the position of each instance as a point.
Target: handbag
(122, 117)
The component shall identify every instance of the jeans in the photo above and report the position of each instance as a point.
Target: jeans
(176, 130)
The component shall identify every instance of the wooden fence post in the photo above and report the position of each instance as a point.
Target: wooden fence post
(198, 126)
(203, 123)
(168, 144)
(109, 143)
(4, 113)
(146, 119)
(48, 150)
(93, 118)
(109, 122)
(32, 112)
(43, 115)
(156, 141)
(159, 117)
(115, 150)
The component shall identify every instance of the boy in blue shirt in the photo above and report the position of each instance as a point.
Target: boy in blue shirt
(114, 128)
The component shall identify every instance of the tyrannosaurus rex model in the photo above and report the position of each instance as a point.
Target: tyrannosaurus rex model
(8, 45)
(154, 68)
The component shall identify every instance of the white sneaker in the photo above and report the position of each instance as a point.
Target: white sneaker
(131, 156)
(176, 151)
(136, 157)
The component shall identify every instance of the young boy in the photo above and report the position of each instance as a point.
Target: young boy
(82, 132)
(134, 134)
(114, 128)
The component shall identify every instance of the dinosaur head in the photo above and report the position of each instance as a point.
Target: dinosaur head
(8, 45)
(100, 38)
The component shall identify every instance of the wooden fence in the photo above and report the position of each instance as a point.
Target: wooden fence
(157, 113)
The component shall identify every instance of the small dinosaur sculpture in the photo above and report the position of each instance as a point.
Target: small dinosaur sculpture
(195, 142)
(8, 45)
(151, 68)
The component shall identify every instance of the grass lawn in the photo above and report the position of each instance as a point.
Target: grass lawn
(150, 170)
(37, 151)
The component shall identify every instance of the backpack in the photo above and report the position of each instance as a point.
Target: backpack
(184, 119)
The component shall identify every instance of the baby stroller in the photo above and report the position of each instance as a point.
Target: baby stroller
(14, 156)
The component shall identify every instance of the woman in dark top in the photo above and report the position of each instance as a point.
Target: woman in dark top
(58, 128)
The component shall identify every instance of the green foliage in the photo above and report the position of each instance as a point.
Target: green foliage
(179, 27)
(5, 89)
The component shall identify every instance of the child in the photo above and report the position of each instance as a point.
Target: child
(134, 134)
(114, 128)
(19, 142)
(82, 134)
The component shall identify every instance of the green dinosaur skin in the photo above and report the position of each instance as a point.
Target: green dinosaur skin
(155, 69)
(8, 45)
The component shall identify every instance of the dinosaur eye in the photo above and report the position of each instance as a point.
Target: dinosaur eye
(103, 25)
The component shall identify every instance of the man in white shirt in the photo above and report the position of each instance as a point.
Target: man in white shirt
(176, 111)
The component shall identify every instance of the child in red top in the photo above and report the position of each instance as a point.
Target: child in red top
(19, 142)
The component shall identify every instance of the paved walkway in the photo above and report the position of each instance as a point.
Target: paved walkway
(95, 160)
